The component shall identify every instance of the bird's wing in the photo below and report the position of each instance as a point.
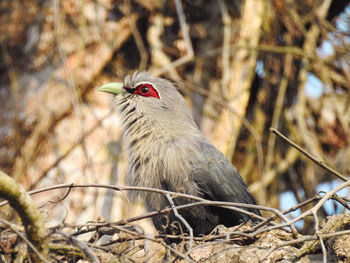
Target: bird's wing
(218, 179)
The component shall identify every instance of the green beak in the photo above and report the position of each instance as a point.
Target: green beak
(113, 87)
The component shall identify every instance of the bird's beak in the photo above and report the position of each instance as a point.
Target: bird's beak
(113, 87)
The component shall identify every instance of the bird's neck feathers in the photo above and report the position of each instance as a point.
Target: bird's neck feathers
(162, 123)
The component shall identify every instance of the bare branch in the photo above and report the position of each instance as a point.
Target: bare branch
(32, 220)
(308, 155)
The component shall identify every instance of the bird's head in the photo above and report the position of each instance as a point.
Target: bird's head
(156, 98)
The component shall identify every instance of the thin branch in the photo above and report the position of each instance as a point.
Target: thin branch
(24, 238)
(226, 20)
(154, 240)
(189, 49)
(308, 155)
(233, 205)
(303, 240)
(287, 68)
(82, 246)
(137, 36)
(182, 219)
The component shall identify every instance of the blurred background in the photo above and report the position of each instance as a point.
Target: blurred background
(243, 66)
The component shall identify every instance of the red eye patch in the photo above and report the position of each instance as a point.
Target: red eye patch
(146, 90)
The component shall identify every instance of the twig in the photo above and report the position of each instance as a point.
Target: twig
(137, 36)
(226, 20)
(184, 30)
(82, 246)
(304, 203)
(309, 45)
(183, 220)
(154, 240)
(232, 205)
(167, 210)
(324, 250)
(287, 68)
(303, 240)
(315, 160)
(32, 247)
(189, 49)
(316, 207)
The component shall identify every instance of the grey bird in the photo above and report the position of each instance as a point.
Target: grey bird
(167, 151)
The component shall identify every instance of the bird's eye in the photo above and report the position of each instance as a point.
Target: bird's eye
(144, 89)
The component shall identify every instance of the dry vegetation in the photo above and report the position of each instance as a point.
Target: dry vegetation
(243, 66)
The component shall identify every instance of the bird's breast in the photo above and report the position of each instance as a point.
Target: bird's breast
(160, 162)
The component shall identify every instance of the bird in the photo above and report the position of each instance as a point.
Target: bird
(167, 151)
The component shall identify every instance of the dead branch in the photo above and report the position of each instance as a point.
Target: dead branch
(32, 220)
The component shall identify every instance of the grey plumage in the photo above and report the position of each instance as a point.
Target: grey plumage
(167, 151)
